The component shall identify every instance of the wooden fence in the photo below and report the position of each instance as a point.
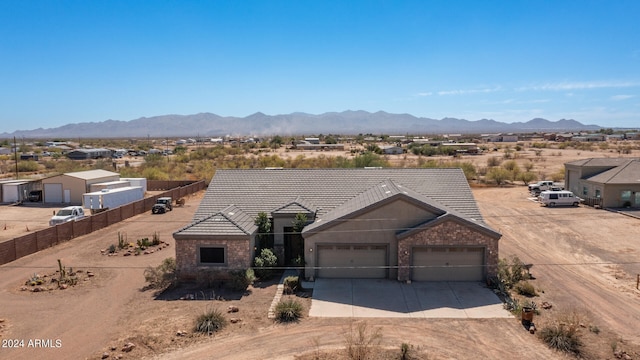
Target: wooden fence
(16, 248)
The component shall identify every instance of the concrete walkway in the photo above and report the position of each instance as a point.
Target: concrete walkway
(364, 298)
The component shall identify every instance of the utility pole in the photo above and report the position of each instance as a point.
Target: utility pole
(15, 155)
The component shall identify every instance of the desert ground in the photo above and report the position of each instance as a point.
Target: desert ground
(584, 261)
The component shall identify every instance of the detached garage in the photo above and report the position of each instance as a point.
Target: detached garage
(69, 187)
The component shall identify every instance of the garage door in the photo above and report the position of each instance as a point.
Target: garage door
(448, 264)
(52, 193)
(352, 261)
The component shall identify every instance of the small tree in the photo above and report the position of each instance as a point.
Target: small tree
(498, 175)
(263, 237)
(264, 264)
(162, 276)
(526, 177)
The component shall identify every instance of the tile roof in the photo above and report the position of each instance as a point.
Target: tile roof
(599, 162)
(228, 221)
(299, 205)
(257, 190)
(626, 173)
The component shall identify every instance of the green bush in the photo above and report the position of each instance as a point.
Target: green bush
(240, 279)
(211, 321)
(288, 311)
(264, 263)
(525, 288)
(162, 276)
(291, 284)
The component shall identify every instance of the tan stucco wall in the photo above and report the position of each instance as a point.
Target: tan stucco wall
(447, 233)
(378, 226)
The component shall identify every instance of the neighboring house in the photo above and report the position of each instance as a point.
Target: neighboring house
(5, 151)
(87, 154)
(392, 150)
(69, 187)
(405, 224)
(607, 182)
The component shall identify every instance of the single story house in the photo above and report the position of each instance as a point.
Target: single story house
(392, 150)
(69, 187)
(606, 182)
(87, 154)
(404, 224)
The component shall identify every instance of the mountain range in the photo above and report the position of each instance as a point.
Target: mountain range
(259, 124)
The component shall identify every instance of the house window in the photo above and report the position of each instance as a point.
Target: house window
(625, 195)
(598, 196)
(209, 255)
(584, 191)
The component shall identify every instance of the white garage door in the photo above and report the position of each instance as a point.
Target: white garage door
(352, 261)
(52, 193)
(448, 264)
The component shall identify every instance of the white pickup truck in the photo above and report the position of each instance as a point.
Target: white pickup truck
(545, 185)
(69, 213)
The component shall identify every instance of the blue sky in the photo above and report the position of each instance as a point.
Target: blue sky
(67, 62)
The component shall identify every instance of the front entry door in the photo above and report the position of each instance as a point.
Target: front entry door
(293, 247)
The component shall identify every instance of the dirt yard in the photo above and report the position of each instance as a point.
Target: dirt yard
(584, 260)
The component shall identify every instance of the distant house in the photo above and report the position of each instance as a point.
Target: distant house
(564, 137)
(607, 182)
(312, 140)
(5, 151)
(392, 150)
(69, 187)
(88, 154)
(405, 224)
(305, 145)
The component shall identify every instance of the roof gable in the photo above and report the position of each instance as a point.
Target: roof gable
(374, 197)
(229, 221)
(299, 205)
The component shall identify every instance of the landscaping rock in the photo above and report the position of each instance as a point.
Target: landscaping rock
(181, 333)
(128, 347)
(235, 320)
(545, 305)
(232, 309)
(105, 355)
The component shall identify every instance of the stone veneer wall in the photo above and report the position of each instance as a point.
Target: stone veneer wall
(238, 255)
(448, 233)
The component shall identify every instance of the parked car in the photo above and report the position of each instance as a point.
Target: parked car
(545, 185)
(66, 214)
(35, 195)
(162, 205)
(556, 198)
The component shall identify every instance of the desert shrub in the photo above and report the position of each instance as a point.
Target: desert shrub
(493, 161)
(264, 264)
(161, 276)
(511, 271)
(291, 284)
(525, 288)
(288, 311)
(563, 334)
(498, 175)
(143, 243)
(27, 166)
(122, 242)
(112, 248)
(360, 342)
(156, 239)
(406, 351)
(240, 279)
(210, 321)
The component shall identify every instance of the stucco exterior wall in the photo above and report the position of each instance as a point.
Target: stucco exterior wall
(378, 226)
(449, 233)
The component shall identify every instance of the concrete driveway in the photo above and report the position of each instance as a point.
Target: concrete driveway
(363, 298)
